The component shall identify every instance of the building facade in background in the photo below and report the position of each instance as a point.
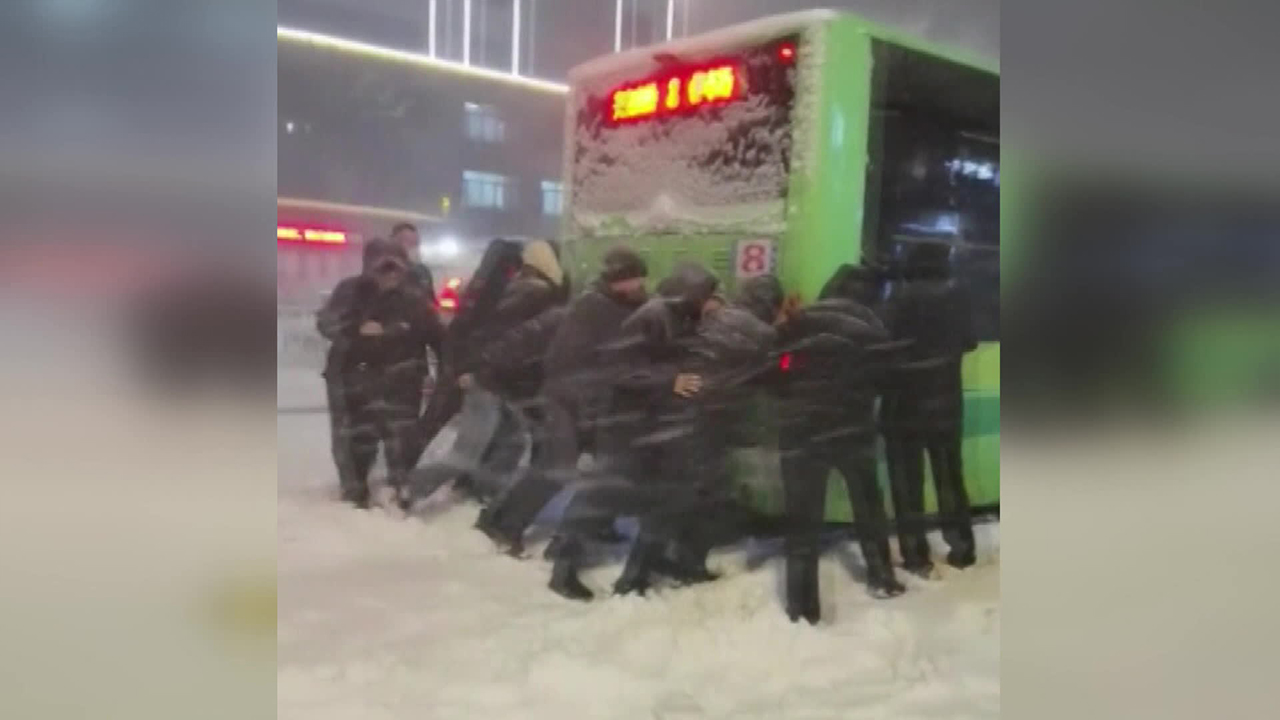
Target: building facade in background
(535, 38)
(366, 137)
(544, 38)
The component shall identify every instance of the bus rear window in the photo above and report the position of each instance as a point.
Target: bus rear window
(933, 148)
(685, 142)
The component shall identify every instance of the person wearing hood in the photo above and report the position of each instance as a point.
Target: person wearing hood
(837, 351)
(466, 335)
(732, 351)
(923, 409)
(379, 326)
(508, 359)
(646, 378)
(538, 286)
(574, 395)
(500, 369)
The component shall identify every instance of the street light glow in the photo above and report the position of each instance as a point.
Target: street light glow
(357, 47)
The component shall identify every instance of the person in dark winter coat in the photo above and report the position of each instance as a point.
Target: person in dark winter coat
(836, 356)
(406, 236)
(574, 395)
(379, 325)
(646, 378)
(732, 351)
(466, 335)
(923, 408)
(536, 288)
(508, 360)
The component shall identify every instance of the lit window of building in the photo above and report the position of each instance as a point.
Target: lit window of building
(552, 197)
(486, 190)
(483, 124)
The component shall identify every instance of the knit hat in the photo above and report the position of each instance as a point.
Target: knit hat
(690, 283)
(622, 263)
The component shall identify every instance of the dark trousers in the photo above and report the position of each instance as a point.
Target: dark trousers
(906, 452)
(701, 513)
(554, 431)
(806, 465)
(670, 478)
(488, 441)
(493, 477)
(365, 410)
(626, 481)
(444, 403)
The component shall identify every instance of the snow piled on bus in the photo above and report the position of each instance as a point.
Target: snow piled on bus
(614, 67)
(658, 176)
(724, 168)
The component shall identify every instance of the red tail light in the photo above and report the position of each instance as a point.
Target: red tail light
(784, 362)
(449, 295)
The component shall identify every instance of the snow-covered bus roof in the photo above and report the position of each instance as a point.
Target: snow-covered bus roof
(763, 29)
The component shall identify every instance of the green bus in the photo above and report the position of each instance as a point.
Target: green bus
(792, 145)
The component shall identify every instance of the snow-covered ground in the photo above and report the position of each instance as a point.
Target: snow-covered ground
(385, 617)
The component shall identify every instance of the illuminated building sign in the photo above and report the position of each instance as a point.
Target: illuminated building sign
(310, 235)
(688, 89)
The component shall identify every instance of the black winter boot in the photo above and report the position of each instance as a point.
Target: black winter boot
(921, 569)
(492, 529)
(636, 574)
(881, 582)
(467, 486)
(404, 497)
(802, 588)
(554, 548)
(883, 586)
(961, 557)
(358, 497)
(685, 565)
(565, 581)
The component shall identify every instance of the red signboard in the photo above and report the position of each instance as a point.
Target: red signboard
(685, 90)
(286, 233)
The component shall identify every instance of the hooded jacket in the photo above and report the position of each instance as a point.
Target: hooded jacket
(732, 351)
(472, 325)
(761, 296)
(836, 355)
(734, 344)
(513, 342)
(924, 392)
(577, 360)
(406, 313)
(536, 288)
(652, 344)
(655, 336)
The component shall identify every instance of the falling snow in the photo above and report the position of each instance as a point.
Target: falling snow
(419, 618)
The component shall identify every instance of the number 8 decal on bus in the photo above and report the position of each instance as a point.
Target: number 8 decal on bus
(755, 258)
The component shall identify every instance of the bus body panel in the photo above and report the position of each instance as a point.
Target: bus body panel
(824, 205)
(828, 180)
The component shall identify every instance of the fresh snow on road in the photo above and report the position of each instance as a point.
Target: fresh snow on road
(419, 618)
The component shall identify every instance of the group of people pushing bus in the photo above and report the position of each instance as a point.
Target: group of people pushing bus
(657, 390)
